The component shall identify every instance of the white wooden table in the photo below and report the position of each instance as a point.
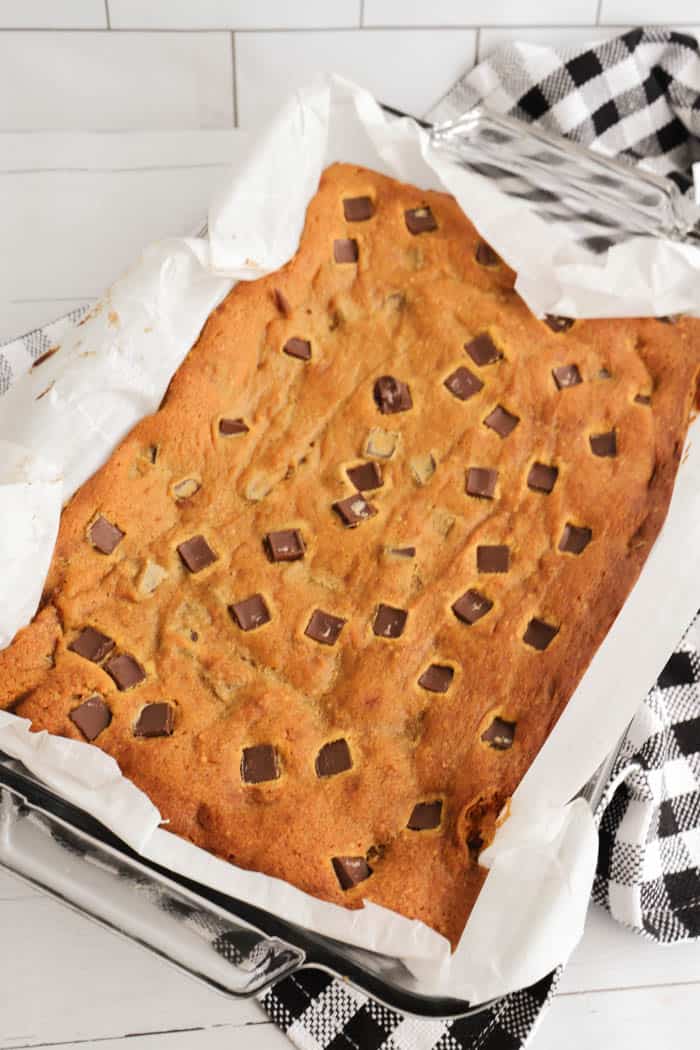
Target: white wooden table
(74, 210)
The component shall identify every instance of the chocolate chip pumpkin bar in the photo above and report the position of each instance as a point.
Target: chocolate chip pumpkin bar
(325, 605)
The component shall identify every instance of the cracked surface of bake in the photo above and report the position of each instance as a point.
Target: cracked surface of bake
(341, 585)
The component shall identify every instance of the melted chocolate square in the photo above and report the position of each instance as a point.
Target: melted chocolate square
(91, 717)
(539, 634)
(542, 477)
(463, 384)
(499, 735)
(472, 606)
(420, 220)
(574, 539)
(229, 427)
(483, 350)
(155, 720)
(493, 559)
(366, 477)
(558, 324)
(259, 764)
(350, 871)
(345, 250)
(437, 678)
(389, 622)
(104, 536)
(604, 444)
(299, 348)
(196, 554)
(324, 628)
(353, 510)
(501, 421)
(391, 395)
(481, 482)
(358, 209)
(125, 670)
(566, 375)
(485, 255)
(250, 613)
(425, 816)
(92, 645)
(285, 545)
(333, 758)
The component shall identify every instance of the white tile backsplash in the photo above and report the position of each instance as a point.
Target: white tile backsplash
(478, 12)
(188, 64)
(650, 12)
(113, 81)
(53, 14)
(233, 14)
(409, 69)
(491, 38)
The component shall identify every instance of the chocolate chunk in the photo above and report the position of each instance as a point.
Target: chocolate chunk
(574, 539)
(259, 763)
(604, 444)
(403, 552)
(541, 477)
(105, 536)
(286, 545)
(481, 482)
(155, 720)
(324, 628)
(358, 209)
(391, 395)
(389, 622)
(499, 735)
(125, 671)
(483, 350)
(669, 319)
(281, 302)
(92, 645)
(485, 255)
(604, 373)
(152, 453)
(196, 554)
(463, 384)
(493, 559)
(420, 220)
(425, 815)
(299, 348)
(345, 250)
(558, 324)
(436, 678)
(350, 871)
(250, 613)
(471, 607)
(227, 427)
(91, 717)
(539, 634)
(502, 421)
(333, 758)
(353, 510)
(566, 375)
(381, 443)
(643, 399)
(365, 477)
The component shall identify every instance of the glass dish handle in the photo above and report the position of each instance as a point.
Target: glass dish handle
(120, 893)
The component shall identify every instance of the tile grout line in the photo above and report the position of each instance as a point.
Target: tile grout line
(598, 13)
(212, 30)
(107, 15)
(477, 47)
(362, 14)
(234, 79)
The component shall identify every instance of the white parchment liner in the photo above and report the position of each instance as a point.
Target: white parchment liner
(115, 368)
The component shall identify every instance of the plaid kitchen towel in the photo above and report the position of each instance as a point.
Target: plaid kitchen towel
(637, 96)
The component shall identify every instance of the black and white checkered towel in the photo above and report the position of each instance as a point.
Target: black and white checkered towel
(637, 96)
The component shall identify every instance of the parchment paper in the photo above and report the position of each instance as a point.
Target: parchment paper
(116, 367)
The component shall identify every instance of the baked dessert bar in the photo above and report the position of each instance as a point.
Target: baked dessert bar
(326, 604)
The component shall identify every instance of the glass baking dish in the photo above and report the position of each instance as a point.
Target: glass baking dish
(233, 946)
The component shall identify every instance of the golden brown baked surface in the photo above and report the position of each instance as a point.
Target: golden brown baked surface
(347, 705)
